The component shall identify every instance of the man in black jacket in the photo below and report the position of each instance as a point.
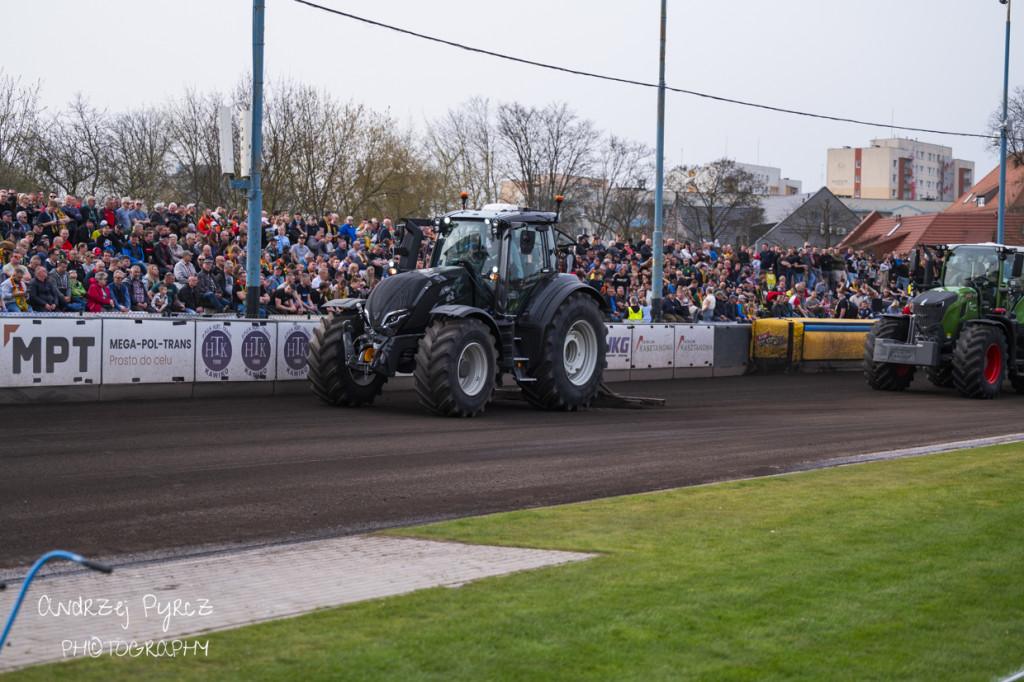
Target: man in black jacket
(42, 293)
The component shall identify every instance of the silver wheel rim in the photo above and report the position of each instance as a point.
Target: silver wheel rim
(472, 368)
(579, 353)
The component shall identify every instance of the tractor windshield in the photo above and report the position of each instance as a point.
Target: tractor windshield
(467, 242)
(971, 266)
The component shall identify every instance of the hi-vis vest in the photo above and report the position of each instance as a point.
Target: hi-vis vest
(635, 313)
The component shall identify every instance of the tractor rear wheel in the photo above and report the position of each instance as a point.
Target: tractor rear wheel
(572, 357)
(979, 361)
(331, 378)
(456, 365)
(885, 376)
(941, 376)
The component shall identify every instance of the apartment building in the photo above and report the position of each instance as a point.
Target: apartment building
(897, 168)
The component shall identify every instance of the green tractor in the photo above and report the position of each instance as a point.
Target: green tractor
(965, 328)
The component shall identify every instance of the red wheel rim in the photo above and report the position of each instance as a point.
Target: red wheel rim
(901, 370)
(993, 364)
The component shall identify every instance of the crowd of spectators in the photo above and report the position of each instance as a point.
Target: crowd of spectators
(77, 255)
(709, 282)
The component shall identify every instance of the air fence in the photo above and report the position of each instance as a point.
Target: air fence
(86, 358)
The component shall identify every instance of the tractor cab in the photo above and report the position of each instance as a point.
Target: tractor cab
(506, 253)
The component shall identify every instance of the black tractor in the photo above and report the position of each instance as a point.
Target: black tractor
(492, 302)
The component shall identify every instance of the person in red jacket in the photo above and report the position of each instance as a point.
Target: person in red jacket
(99, 299)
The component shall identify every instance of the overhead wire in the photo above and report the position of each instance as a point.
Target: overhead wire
(627, 81)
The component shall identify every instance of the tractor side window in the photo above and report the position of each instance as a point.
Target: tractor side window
(530, 258)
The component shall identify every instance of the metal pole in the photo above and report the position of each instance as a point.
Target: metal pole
(254, 233)
(1003, 133)
(656, 285)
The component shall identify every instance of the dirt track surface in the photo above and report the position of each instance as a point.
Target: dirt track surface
(120, 478)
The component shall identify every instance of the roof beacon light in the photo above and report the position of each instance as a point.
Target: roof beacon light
(558, 206)
(465, 197)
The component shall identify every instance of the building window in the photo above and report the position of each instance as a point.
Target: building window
(894, 178)
(894, 194)
(856, 178)
(856, 193)
(858, 163)
(894, 163)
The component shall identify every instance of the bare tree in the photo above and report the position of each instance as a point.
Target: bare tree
(1015, 134)
(718, 200)
(547, 152)
(19, 126)
(73, 148)
(194, 151)
(619, 195)
(140, 145)
(462, 147)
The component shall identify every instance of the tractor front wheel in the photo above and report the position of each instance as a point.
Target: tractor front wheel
(885, 376)
(332, 379)
(979, 361)
(456, 365)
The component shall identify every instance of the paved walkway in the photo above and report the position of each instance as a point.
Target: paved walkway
(175, 600)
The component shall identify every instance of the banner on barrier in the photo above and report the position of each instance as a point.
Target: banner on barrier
(620, 343)
(293, 346)
(148, 351)
(50, 351)
(695, 346)
(235, 351)
(653, 346)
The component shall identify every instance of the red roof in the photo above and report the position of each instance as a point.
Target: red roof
(965, 222)
(988, 187)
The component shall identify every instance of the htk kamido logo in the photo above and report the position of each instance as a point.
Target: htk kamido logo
(256, 352)
(296, 348)
(215, 351)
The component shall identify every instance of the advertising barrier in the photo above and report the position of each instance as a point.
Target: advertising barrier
(148, 350)
(293, 346)
(236, 350)
(52, 359)
(50, 351)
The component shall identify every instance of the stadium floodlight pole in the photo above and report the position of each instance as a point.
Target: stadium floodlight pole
(656, 287)
(254, 227)
(1003, 130)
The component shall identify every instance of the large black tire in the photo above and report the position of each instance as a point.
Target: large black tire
(330, 377)
(979, 361)
(572, 357)
(885, 376)
(941, 376)
(456, 365)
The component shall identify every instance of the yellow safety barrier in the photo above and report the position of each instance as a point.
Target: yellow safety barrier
(788, 340)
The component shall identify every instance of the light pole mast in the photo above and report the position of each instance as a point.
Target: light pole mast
(254, 232)
(656, 286)
(1003, 130)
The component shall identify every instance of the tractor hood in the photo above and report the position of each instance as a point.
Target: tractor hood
(938, 309)
(416, 293)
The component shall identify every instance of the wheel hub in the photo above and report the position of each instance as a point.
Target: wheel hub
(579, 353)
(472, 368)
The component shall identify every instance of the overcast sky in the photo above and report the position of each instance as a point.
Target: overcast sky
(934, 64)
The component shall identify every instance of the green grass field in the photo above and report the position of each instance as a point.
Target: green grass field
(902, 570)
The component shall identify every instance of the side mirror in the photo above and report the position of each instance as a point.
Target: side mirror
(527, 240)
(1018, 265)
